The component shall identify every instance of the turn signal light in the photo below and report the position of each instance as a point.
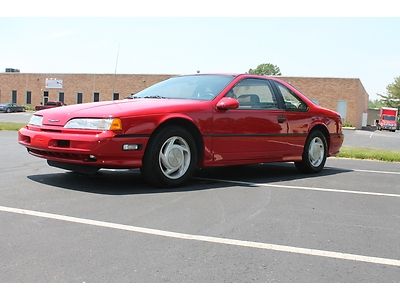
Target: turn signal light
(116, 125)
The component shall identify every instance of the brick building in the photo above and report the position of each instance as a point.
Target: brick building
(345, 95)
(32, 88)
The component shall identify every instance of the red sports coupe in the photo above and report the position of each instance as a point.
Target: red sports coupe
(187, 122)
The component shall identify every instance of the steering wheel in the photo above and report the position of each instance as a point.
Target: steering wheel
(207, 94)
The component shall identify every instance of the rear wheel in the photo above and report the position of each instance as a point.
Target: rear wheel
(170, 158)
(8, 110)
(314, 154)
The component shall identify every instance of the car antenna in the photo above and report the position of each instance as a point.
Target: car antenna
(115, 71)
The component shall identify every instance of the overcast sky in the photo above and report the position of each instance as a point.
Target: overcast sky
(365, 48)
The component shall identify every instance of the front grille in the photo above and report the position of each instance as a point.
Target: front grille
(62, 143)
(62, 155)
(50, 130)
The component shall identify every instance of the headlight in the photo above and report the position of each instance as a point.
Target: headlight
(36, 120)
(95, 124)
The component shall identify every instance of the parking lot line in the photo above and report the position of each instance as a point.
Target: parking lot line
(209, 239)
(300, 187)
(377, 172)
(365, 171)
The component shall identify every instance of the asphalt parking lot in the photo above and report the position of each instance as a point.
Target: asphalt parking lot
(265, 223)
(20, 117)
(384, 139)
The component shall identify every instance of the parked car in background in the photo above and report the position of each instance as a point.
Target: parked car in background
(49, 104)
(187, 122)
(11, 107)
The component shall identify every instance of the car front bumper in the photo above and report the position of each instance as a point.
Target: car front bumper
(102, 149)
(389, 127)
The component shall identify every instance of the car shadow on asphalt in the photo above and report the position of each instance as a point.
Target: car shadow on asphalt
(130, 182)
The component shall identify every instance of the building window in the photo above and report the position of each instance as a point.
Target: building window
(28, 97)
(45, 97)
(14, 96)
(116, 96)
(96, 97)
(79, 97)
(61, 97)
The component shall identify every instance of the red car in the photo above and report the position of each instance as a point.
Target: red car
(187, 122)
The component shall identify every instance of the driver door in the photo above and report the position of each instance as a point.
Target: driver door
(256, 131)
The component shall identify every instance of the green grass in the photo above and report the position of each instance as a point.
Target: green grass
(11, 126)
(367, 153)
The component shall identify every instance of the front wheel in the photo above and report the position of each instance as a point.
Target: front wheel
(314, 154)
(170, 158)
(8, 110)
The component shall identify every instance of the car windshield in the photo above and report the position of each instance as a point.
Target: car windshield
(389, 118)
(200, 87)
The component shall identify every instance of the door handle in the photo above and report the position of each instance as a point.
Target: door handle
(281, 119)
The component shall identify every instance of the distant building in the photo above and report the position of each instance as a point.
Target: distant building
(344, 95)
(33, 88)
(12, 70)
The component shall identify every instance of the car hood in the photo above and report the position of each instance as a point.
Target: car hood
(120, 108)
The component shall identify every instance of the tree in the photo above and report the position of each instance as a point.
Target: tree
(266, 69)
(392, 97)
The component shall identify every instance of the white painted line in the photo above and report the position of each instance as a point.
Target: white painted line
(209, 239)
(377, 172)
(294, 187)
(365, 171)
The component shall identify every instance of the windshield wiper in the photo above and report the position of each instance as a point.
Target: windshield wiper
(147, 97)
(155, 97)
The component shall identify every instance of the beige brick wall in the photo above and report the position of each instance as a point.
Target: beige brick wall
(328, 91)
(88, 84)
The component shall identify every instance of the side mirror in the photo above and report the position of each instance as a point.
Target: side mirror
(227, 103)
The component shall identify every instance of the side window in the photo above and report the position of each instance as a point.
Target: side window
(254, 94)
(292, 102)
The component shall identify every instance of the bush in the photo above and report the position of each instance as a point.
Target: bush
(347, 124)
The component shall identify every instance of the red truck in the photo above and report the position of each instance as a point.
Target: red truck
(387, 119)
(49, 104)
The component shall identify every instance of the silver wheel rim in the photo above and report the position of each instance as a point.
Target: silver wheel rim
(174, 157)
(316, 152)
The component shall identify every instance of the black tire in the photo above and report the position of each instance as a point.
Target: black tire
(310, 164)
(178, 148)
(8, 110)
